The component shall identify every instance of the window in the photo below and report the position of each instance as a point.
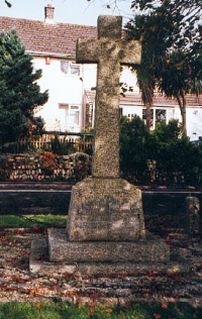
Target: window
(75, 69)
(157, 115)
(64, 66)
(69, 117)
(74, 107)
(74, 116)
(70, 68)
(160, 115)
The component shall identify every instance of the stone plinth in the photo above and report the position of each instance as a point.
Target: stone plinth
(61, 249)
(105, 209)
(44, 266)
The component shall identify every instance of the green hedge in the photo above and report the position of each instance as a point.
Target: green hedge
(161, 156)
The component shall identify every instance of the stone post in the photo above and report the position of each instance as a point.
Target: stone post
(192, 215)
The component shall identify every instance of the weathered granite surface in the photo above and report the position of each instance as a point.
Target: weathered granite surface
(41, 263)
(149, 250)
(105, 209)
(109, 51)
(192, 215)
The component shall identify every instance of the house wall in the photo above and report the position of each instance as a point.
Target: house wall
(131, 110)
(194, 117)
(67, 89)
(194, 121)
(64, 89)
(65, 110)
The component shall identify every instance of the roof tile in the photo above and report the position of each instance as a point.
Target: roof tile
(38, 36)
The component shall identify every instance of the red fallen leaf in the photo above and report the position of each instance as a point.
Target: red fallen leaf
(151, 273)
(7, 287)
(10, 260)
(37, 305)
(19, 278)
(164, 305)
(16, 277)
(91, 309)
(123, 273)
(38, 291)
(19, 231)
(109, 310)
(157, 315)
(70, 293)
(24, 254)
(146, 290)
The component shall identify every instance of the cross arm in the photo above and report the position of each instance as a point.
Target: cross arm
(87, 51)
(130, 52)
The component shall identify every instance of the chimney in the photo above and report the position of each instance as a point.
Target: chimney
(49, 13)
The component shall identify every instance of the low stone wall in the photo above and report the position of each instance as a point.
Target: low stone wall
(45, 166)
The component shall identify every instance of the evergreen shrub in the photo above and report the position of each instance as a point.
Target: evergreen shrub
(164, 155)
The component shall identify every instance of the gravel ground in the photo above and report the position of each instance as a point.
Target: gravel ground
(17, 284)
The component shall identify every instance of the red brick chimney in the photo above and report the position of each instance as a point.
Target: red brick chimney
(49, 13)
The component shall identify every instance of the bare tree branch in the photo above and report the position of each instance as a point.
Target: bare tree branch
(8, 3)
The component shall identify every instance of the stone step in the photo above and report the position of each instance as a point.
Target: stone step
(144, 250)
(39, 263)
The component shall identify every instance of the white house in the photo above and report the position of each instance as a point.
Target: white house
(70, 106)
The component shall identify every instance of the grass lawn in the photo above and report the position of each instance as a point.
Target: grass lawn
(24, 221)
(66, 311)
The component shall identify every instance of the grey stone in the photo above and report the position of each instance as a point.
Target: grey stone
(61, 249)
(105, 209)
(44, 266)
(192, 215)
(109, 51)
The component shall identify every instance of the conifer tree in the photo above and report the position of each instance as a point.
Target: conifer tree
(20, 94)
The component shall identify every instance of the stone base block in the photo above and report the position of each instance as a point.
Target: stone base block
(40, 264)
(105, 209)
(147, 250)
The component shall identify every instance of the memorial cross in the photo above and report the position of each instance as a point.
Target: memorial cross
(109, 51)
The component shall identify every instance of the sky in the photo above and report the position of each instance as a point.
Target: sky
(68, 11)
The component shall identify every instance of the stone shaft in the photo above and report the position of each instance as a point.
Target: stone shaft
(109, 51)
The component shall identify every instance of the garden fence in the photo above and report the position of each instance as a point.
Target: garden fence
(80, 142)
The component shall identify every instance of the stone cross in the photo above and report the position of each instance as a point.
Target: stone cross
(109, 51)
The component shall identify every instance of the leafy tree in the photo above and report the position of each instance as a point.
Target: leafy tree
(154, 31)
(20, 93)
(171, 58)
